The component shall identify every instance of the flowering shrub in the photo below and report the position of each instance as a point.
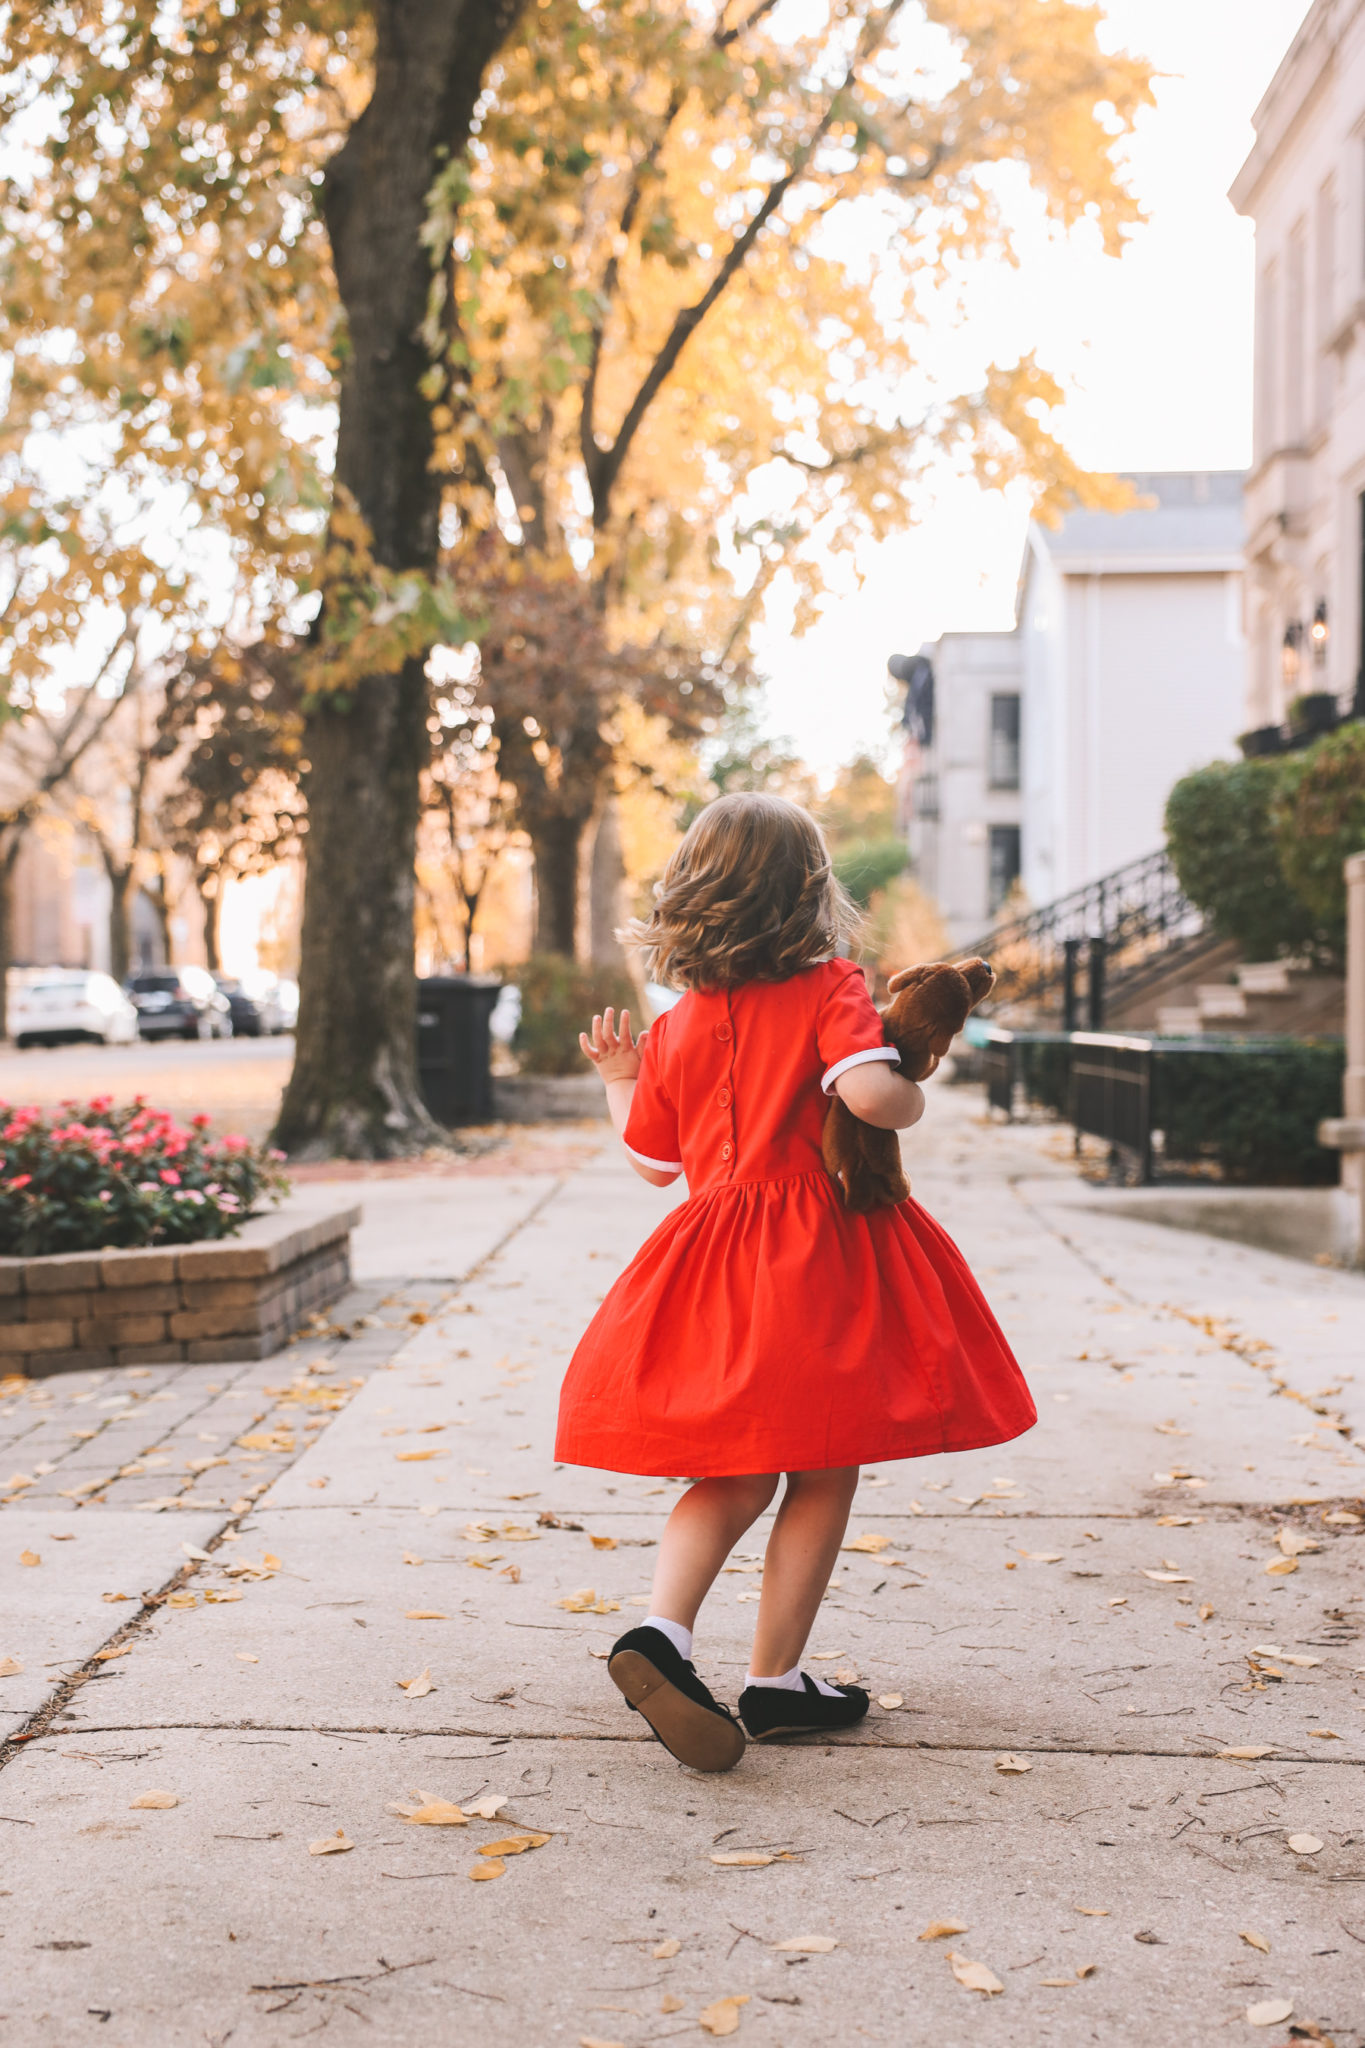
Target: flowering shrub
(92, 1178)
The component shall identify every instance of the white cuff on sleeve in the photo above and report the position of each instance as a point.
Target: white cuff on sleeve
(659, 1165)
(857, 1059)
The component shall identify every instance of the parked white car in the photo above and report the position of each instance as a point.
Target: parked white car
(66, 1005)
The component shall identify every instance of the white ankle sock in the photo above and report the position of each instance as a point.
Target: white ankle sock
(680, 1637)
(791, 1681)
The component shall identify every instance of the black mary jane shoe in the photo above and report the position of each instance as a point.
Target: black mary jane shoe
(659, 1683)
(768, 1710)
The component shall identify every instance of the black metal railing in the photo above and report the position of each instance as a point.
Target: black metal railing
(1090, 946)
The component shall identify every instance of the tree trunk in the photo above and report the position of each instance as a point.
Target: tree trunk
(122, 889)
(211, 896)
(9, 856)
(556, 844)
(607, 887)
(354, 1085)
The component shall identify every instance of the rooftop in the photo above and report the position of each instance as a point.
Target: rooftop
(1195, 521)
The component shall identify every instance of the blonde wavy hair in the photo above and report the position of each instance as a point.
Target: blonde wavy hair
(750, 895)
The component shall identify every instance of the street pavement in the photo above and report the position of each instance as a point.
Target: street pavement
(1138, 1632)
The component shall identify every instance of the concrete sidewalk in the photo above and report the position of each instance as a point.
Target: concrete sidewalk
(1084, 1627)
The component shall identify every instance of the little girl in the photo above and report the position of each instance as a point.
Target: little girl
(764, 1330)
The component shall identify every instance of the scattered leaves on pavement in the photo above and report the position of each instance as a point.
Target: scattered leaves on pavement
(154, 1802)
(424, 1614)
(722, 2016)
(807, 1945)
(974, 1976)
(1249, 1752)
(1303, 1845)
(515, 1845)
(29, 1557)
(10, 1667)
(891, 1700)
(417, 1688)
(743, 1859)
(331, 1845)
(585, 1601)
(1279, 1568)
(1295, 1542)
(1010, 1766)
(868, 1541)
(602, 1542)
(495, 1867)
(1271, 2012)
(666, 1950)
(1254, 1940)
(108, 1656)
(1093, 1912)
(937, 1929)
(486, 1808)
(1169, 1578)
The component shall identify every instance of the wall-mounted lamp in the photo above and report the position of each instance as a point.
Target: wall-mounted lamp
(1320, 632)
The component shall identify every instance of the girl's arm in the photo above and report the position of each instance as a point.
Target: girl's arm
(878, 1095)
(616, 1056)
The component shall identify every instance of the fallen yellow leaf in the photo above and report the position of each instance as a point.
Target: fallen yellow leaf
(668, 2003)
(1271, 2012)
(424, 1614)
(974, 1976)
(806, 1945)
(435, 1813)
(1057, 1983)
(10, 1667)
(1278, 1568)
(743, 1859)
(1296, 1542)
(1093, 1912)
(483, 1871)
(417, 1688)
(410, 1557)
(890, 1700)
(488, 1807)
(1254, 1940)
(1087, 1969)
(418, 1457)
(1011, 1766)
(154, 1802)
(29, 1557)
(586, 1602)
(722, 2016)
(666, 1950)
(1249, 1753)
(247, 1657)
(331, 1845)
(937, 1929)
(1303, 1845)
(1169, 1578)
(514, 1845)
(868, 1542)
(602, 1542)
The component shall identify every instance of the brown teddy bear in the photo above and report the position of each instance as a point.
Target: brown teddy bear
(930, 1007)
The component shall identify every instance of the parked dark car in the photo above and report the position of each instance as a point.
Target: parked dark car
(179, 1002)
(247, 1019)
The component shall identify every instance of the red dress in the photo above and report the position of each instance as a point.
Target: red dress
(762, 1328)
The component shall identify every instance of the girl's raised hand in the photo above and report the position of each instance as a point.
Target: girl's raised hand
(612, 1050)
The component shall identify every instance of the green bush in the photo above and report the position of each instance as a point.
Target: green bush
(868, 865)
(1227, 859)
(89, 1177)
(558, 1000)
(1318, 816)
(1252, 1110)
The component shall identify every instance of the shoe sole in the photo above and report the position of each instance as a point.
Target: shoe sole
(837, 1728)
(693, 1734)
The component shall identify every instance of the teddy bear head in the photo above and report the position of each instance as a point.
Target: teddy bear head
(929, 1007)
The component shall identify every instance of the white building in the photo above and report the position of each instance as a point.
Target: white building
(1304, 187)
(1049, 751)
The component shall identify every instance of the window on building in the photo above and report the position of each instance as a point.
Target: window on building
(1295, 309)
(924, 797)
(1003, 763)
(1004, 863)
(1325, 295)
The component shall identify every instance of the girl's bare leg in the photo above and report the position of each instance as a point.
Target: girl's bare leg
(701, 1532)
(801, 1552)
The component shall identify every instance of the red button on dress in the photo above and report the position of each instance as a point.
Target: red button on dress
(724, 1098)
(762, 1328)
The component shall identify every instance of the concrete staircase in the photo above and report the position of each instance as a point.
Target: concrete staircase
(1233, 997)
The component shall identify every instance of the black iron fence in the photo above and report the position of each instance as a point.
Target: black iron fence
(1089, 946)
(1246, 1108)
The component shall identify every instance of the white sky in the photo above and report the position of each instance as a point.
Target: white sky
(1155, 349)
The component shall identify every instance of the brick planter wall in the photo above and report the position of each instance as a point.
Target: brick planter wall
(237, 1297)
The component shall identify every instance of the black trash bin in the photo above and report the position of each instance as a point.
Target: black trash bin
(453, 1046)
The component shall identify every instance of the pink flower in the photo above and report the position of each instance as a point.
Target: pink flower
(171, 1177)
(201, 1122)
(106, 1194)
(234, 1142)
(21, 1180)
